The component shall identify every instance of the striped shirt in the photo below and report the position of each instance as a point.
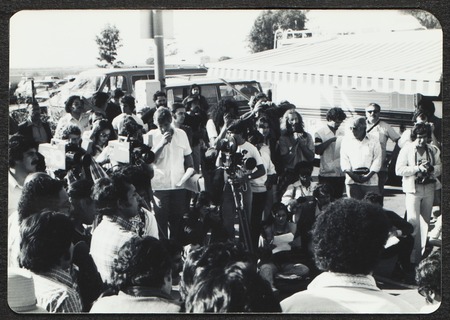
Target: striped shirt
(107, 239)
(57, 292)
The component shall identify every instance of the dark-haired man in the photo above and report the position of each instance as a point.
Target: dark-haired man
(50, 261)
(328, 145)
(116, 201)
(34, 128)
(23, 159)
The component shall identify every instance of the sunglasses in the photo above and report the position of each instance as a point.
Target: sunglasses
(372, 111)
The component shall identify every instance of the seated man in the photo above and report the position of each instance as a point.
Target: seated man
(348, 238)
(142, 277)
(46, 250)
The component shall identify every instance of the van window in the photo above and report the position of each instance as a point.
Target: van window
(114, 82)
(210, 93)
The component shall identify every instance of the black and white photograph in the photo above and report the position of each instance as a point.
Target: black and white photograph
(246, 161)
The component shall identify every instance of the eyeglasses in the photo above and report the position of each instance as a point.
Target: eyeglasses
(104, 135)
(372, 111)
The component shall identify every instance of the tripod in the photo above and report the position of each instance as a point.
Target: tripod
(244, 228)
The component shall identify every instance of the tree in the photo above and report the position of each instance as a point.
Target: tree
(261, 36)
(108, 42)
(425, 18)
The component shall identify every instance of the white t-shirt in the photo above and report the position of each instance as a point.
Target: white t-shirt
(252, 152)
(169, 167)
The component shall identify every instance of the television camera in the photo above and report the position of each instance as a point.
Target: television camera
(61, 156)
(235, 165)
(130, 150)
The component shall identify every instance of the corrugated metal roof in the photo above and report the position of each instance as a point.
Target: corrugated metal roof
(404, 62)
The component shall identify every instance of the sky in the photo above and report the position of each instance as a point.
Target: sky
(63, 38)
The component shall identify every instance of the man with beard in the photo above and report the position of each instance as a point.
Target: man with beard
(34, 128)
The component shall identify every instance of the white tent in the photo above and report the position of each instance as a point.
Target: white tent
(406, 62)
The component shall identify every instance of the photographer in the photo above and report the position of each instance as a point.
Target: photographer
(419, 164)
(233, 152)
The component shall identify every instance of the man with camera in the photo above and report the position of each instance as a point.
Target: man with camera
(234, 156)
(419, 164)
(360, 160)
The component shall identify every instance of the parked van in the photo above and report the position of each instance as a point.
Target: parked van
(213, 89)
(107, 80)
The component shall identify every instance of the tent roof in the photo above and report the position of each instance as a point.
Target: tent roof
(405, 62)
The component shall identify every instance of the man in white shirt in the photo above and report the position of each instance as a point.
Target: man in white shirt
(360, 160)
(382, 131)
(173, 166)
(76, 108)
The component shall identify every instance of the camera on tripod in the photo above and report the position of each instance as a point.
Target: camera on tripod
(234, 162)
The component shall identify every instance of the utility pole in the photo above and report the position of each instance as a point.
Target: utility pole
(152, 28)
(160, 72)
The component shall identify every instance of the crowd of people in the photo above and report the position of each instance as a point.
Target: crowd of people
(208, 208)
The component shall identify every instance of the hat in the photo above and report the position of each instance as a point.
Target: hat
(21, 295)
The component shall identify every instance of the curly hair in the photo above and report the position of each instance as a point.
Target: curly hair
(141, 262)
(420, 129)
(68, 103)
(17, 146)
(45, 238)
(336, 114)
(71, 129)
(285, 127)
(39, 192)
(428, 275)
(349, 236)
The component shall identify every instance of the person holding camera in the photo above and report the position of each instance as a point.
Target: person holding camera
(234, 153)
(419, 164)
